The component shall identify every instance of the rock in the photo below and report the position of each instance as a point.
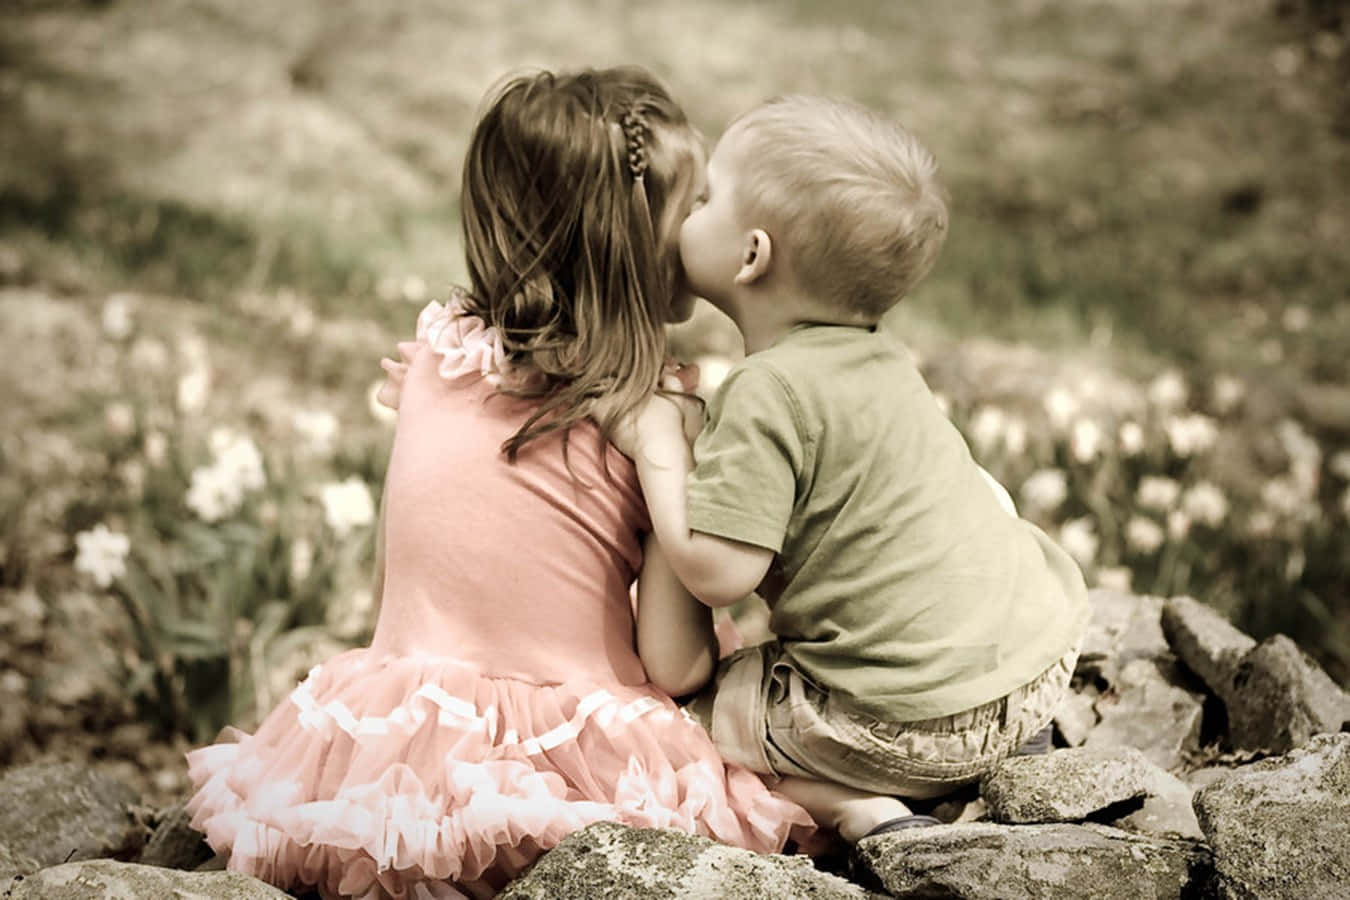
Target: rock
(1066, 785)
(1076, 716)
(983, 861)
(1167, 810)
(106, 879)
(1204, 640)
(13, 863)
(1281, 827)
(175, 844)
(1123, 627)
(1151, 710)
(57, 812)
(613, 861)
(1278, 698)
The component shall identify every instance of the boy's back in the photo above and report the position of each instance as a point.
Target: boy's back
(900, 581)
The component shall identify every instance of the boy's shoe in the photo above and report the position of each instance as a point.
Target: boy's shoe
(1040, 743)
(900, 823)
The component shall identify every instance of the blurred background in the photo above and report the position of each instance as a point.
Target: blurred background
(216, 217)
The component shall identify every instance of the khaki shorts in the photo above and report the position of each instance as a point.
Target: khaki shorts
(764, 714)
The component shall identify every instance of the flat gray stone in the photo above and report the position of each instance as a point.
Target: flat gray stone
(1167, 810)
(1204, 640)
(1149, 709)
(1066, 785)
(982, 861)
(1278, 698)
(612, 861)
(56, 812)
(106, 879)
(1123, 627)
(1076, 716)
(1281, 827)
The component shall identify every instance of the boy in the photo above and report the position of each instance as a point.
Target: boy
(922, 633)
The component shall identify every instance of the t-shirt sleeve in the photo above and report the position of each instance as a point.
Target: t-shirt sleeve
(746, 461)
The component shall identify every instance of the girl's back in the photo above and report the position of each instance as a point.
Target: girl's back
(523, 568)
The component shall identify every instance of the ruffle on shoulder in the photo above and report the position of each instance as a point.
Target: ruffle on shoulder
(465, 343)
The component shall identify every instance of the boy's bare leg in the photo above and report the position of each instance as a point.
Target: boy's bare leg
(851, 812)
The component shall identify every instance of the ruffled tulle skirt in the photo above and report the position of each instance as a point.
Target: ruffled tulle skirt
(420, 777)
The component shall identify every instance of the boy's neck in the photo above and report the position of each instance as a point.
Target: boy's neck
(764, 317)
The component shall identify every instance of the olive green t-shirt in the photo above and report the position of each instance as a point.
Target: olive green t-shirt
(899, 580)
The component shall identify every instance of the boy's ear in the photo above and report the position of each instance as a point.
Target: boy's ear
(756, 256)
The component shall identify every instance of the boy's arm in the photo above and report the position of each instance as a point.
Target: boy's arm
(675, 637)
(718, 571)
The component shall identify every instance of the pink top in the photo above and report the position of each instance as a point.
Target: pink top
(523, 569)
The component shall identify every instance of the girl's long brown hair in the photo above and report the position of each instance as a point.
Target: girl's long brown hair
(571, 257)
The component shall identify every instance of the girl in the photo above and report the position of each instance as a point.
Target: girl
(502, 704)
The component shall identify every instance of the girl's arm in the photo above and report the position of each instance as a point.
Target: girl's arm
(377, 589)
(675, 637)
(718, 571)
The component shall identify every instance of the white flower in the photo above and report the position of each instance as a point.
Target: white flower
(1295, 318)
(1079, 538)
(1261, 523)
(149, 355)
(1045, 490)
(300, 321)
(1178, 525)
(301, 560)
(1340, 464)
(1189, 435)
(1131, 438)
(117, 323)
(1305, 457)
(119, 419)
(239, 458)
(1294, 564)
(1085, 440)
(1282, 497)
(1143, 535)
(1015, 436)
(156, 448)
(1228, 393)
(318, 430)
(1061, 406)
(193, 388)
(213, 494)
(1168, 391)
(132, 473)
(351, 616)
(413, 289)
(986, 427)
(712, 371)
(1205, 503)
(347, 505)
(1157, 492)
(378, 411)
(1115, 578)
(102, 554)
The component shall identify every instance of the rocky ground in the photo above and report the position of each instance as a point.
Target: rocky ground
(1191, 761)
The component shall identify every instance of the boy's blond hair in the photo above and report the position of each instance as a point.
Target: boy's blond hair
(853, 198)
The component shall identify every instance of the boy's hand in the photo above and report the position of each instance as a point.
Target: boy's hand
(394, 372)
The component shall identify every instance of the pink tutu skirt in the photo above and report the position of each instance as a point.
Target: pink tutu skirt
(387, 776)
